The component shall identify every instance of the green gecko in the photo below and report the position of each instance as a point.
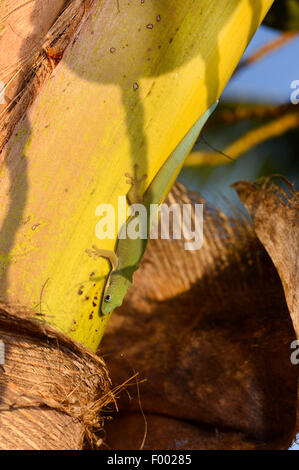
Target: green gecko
(129, 252)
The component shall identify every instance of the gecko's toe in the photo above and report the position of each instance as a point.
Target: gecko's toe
(136, 183)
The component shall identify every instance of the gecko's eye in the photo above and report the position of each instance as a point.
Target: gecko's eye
(107, 298)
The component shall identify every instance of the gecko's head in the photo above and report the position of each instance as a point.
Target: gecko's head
(115, 291)
(110, 301)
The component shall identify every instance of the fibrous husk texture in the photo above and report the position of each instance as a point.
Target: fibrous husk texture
(51, 389)
(210, 333)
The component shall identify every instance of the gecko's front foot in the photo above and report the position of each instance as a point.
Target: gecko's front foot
(96, 253)
(134, 194)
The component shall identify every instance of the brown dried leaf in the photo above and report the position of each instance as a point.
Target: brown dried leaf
(210, 332)
(275, 216)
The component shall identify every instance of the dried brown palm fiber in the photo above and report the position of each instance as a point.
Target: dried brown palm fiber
(52, 390)
(24, 25)
(43, 43)
(275, 216)
(210, 332)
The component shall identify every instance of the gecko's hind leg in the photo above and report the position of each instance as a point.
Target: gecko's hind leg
(134, 195)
